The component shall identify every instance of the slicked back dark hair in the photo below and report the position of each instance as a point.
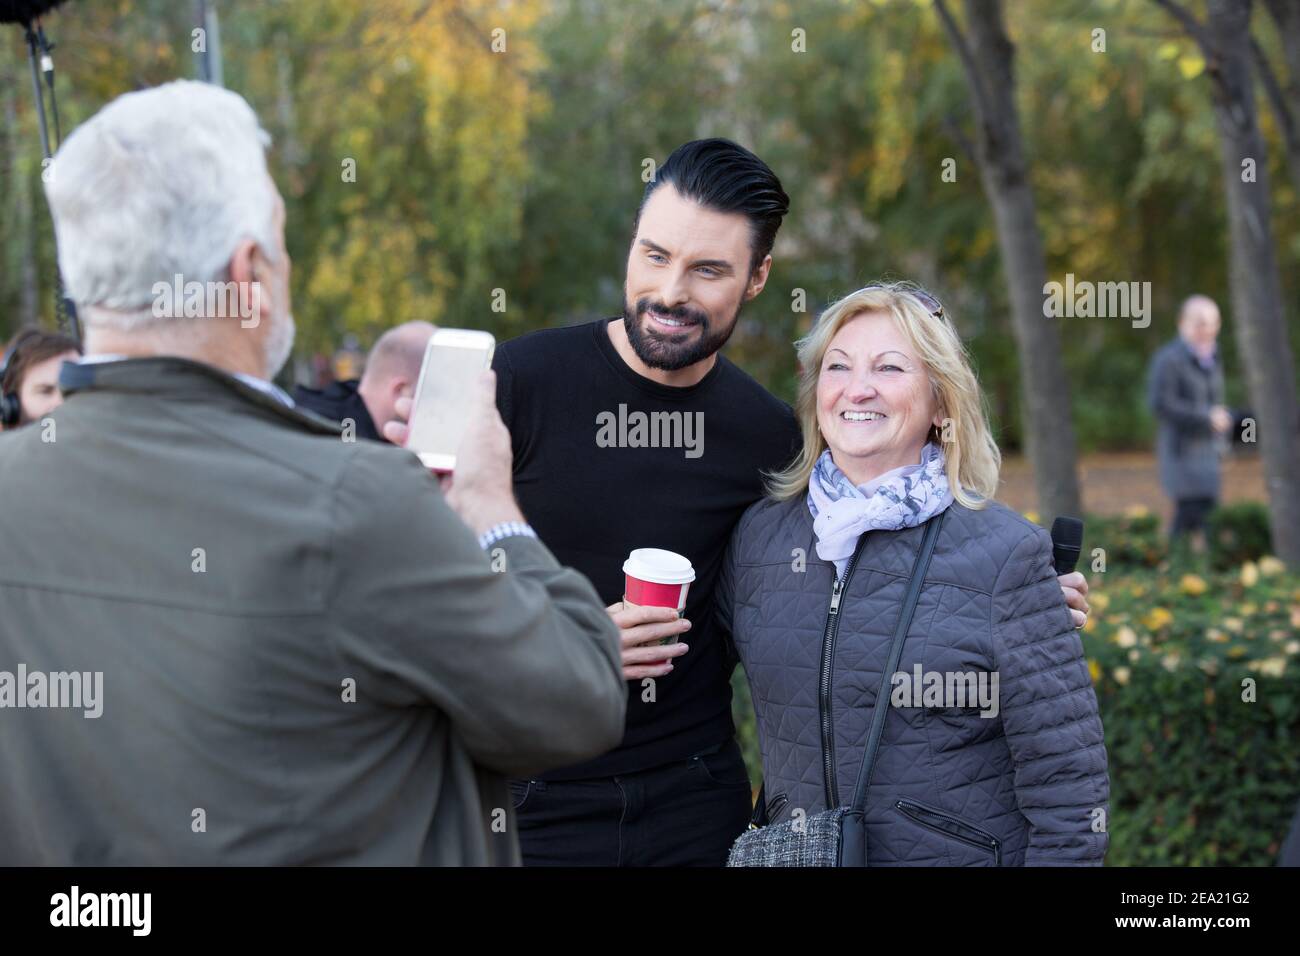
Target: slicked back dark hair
(724, 176)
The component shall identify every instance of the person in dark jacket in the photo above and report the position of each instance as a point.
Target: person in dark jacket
(257, 644)
(392, 372)
(992, 752)
(1185, 391)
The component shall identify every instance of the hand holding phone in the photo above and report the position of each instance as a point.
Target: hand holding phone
(482, 493)
(445, 395)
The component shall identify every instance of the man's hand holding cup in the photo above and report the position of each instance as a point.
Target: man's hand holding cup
(650, 614)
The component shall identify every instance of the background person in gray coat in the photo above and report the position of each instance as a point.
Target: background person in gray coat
(992, 752)
(278, 646)
(1185, 391)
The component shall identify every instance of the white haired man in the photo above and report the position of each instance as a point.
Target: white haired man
(287, 648)
(1185, 391)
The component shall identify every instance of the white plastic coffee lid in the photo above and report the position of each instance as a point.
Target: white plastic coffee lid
(659, 566)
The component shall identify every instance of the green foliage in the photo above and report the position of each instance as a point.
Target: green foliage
(1199, 775)
(522, 170)
(1130, 541)
(742, 712)
(1237, 533)
(1234, 533)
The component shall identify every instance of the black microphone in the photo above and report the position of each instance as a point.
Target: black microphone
(25, 11)
(1067, 541)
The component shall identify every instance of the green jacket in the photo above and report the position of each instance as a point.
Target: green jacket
(306, 657)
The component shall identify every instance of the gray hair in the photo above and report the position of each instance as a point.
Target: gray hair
(159, 183)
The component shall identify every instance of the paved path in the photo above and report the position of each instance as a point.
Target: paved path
(1114, 481)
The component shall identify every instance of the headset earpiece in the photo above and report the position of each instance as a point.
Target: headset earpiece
(10, 410)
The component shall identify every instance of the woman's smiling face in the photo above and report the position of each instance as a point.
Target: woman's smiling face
(875, 404)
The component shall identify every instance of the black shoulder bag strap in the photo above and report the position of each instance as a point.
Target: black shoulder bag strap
(853, 831)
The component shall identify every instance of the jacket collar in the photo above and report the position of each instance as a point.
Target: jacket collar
(179, 377)
(1196, 359)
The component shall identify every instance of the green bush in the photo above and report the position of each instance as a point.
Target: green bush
(742, 710)
(1196, 681)
(1130, 541)
(1237, 533)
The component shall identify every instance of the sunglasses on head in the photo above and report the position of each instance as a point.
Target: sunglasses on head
(932, 304)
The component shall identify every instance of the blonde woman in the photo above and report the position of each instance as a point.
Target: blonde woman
(991, 751)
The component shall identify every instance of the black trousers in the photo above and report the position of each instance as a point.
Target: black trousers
(1190, 515)
(686, 813)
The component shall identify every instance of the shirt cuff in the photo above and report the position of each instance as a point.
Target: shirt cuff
(505, 529)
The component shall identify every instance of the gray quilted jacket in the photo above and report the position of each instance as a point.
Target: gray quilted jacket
(950, 787)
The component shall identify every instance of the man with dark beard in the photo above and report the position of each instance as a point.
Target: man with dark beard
(675, 792)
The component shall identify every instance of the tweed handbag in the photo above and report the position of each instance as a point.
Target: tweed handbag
(838, 837)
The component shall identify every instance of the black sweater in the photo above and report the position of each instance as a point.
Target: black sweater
(592, 484)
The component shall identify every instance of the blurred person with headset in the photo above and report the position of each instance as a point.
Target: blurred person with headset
(29, 375)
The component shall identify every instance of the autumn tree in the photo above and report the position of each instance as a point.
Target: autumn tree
(987, 57)
(1258, 319)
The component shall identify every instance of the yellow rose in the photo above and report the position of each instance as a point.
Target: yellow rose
(1099, 601)
(1094, 669)
(1170, 662)
(1233, 624)
(1269, 566)
(1122, 675)
(1249, 574)
(1136, 511)
(1125, 637)
(1271, 666)
(1193, 584)
(1157, 618)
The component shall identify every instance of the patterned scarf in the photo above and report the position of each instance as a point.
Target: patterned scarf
(902, 498)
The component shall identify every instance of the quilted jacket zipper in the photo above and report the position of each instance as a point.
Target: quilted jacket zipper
(828, 660)
(952, 826)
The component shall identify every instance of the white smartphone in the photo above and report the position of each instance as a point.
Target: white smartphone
(453, 361)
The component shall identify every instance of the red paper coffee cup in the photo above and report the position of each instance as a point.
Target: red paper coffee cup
(654, 577)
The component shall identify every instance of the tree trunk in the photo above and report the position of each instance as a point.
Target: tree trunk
(1258, 320)
(1285, 96)
(1044, 390)
(22, 237)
